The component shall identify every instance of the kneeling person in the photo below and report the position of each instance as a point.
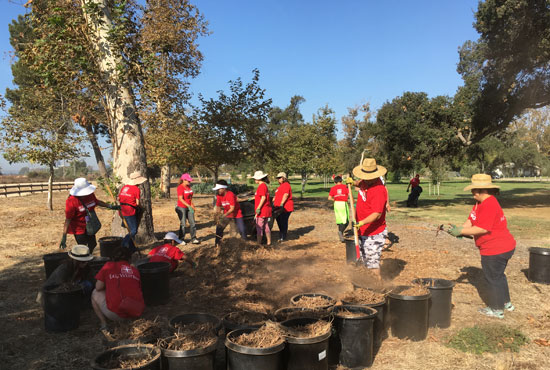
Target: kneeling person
(228, 206)
(169, 252)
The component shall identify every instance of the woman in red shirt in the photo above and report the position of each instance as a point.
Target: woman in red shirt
(339, 194)
(262, 204)
(81, 196)
(284, 204)
(128, 198)
(228, 206)
(487, 224)
(185, 208)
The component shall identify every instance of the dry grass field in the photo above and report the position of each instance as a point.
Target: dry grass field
(244, 276)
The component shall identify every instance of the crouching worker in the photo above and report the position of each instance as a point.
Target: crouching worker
(117, 295)
(229, 208)
(169, 252)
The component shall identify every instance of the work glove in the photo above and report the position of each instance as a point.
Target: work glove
(258, 211)
(455, 231)
(114, 207)
(191, 210)
(63, 244)
(349, 180)
(357, 225)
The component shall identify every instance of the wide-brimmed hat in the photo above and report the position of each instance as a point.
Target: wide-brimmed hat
(186, 177)
(81, 187)
(219, 186)
(258, 175)
(368, 170)
(172, 236)
(282, 174)
(136, 178)
(80, 253)
(481, 181)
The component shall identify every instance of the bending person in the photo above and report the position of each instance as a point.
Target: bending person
(169, 252)
(229, 209)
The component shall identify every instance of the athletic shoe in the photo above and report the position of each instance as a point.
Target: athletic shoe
(182, 243)
(196, 241)
(509, 306)
(488, 311)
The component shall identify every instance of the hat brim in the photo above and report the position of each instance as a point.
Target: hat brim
(260, 177)
(474, 186)
(80, 192)
(81, 259)
(174, 239)
(138, 180)
(218, 187)
(360, 174)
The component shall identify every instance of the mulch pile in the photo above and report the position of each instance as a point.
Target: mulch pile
(313, 302)
(190, 337)
(142, 330)
(363, 296)
(298, 314)
(268, 335)
(348, 314)
(312, 330)
(414, 290)
(126, 361)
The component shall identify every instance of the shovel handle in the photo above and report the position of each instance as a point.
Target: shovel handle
(355, 232)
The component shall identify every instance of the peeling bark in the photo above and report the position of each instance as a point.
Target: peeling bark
(165, 181)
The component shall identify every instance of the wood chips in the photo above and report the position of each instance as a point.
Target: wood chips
(312, 330)
(313, 302)
(126, 361)
(349, 314)
(415, 290)
(190, 337)
(363, 296)
(298, 314)
(268, 335)
(139, 329)
(247, 317)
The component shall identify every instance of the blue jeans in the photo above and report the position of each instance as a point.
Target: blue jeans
(223, 224)
(128, 239)
(282, 222)
(493, 268)
(184, 214)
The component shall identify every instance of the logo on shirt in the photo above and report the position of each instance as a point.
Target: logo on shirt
(473, 215)
(126, 270)
(339, 191)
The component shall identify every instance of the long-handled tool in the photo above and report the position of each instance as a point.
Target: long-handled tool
(355, 231)
(123, 219)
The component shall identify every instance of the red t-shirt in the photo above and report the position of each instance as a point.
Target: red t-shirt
(266, 208)
(187, 193)
(414, 182)
(339, 192)
(372, 200)
(75, 211)
(228, 200)
(489, 216)
(129, 194)
(283, 189)
(166, 253)
(121, 280)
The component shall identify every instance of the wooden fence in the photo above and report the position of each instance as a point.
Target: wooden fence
(22, 189)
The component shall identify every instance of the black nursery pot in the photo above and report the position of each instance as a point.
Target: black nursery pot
(294, 300)
(306, 353)
(129, 351)
(408, 315)
(61, 309)
(155, 282)
(108, 244)
(247, 358)
(52, 260)
(196, 359)
(440, 302)
(197, 318)
(539, 265)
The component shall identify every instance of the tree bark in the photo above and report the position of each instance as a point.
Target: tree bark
(50, 188)
(97, 151)
(304, 182)
(127, 136)
(165, 181)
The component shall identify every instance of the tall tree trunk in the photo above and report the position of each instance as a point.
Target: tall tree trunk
(304, 182)
(127, 136)
(97, 151)
(165, 181)
(50, 188)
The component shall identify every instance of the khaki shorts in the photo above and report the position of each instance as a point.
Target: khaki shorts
(99, 298)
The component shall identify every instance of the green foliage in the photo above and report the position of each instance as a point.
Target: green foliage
(155, 189)
(112, 183)
(469, 170)
(488, 338)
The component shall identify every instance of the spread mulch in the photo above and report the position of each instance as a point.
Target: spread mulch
(268, 335)
(312, 330)
(190, 337)
(363, 296)
(313, 302)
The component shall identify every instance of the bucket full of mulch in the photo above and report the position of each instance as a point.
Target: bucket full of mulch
(354, 335)
(539, 265)
(287, 313)
(187, 321)
(408, 311)
(258, 349)
(193, 347)
(131, 356)
(108, 244)
(140, 331)
(440, 303)
(307, 343)
(62, 305)
(155, 282)
(313, 300)
(52, 260)
(244, 320)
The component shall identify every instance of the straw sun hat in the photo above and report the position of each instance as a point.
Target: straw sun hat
(81, 253)
(282, 174)
(368, 170)
(136, 178)
(481, 181)
(258, 175)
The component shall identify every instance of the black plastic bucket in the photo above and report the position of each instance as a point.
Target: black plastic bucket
(306, 353)
(248, 358)
(197, 318)
(380, 320)
(351, 251)
(108, 244)
(408, 314)
(52, 260)
(539, 265)
(97, 264)
(355, 336)
(129, 351)
(155, 282)
(196, 359)
(440, 303)
(61, 309)
(294, 300)
(230, 324)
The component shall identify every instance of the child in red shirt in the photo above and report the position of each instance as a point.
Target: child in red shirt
(339, 193)
(262, 204)
(169, 252)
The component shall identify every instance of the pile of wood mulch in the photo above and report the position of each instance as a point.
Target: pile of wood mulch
(313, 302)
(268, 335)
(312, 330)
(142, 330)
(415, 290)
(348, 314)
(190, 337)
(363, 296)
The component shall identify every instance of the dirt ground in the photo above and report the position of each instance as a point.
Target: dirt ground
(243, 276)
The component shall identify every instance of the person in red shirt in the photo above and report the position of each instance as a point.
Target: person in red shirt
(81, 196)
(229, 209)
(130, 209)
(186, 209)
(487, 224)
(339, 193)
(169, 252)
(415, 181)
(416, 189)
(262, 204)
(370, 213)
(284, 204)
(117, 294)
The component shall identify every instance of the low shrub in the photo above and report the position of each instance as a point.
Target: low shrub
(488, 338)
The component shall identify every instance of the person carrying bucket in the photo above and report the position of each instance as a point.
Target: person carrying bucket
(487, 224)
(169, 252)
(339, 194)
(370, 212)
(130, 209)
(228, 206)
(262, 204)
(186, 209)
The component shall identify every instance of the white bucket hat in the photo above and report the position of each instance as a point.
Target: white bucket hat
(219, 186)
(282, 174)
(258, 175)
(172, 236)
(136, 178)
(81, 188)
(80, 253)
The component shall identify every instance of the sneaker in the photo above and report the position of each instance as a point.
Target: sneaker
(488, 311)
(195, 241)
(509, 306)
(182, 243)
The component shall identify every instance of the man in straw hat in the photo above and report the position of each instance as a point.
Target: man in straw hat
(130, 209)
(487, 224)
(371, 212)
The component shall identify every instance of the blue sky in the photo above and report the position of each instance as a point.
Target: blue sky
(341, 54)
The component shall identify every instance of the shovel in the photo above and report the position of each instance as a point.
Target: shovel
(355, 231)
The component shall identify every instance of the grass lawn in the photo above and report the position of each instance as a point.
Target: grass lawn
(526, 205)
